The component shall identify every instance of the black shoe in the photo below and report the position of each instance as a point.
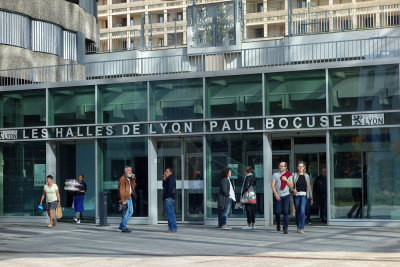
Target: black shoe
(278, 227)
(126, 230)
(285, 231)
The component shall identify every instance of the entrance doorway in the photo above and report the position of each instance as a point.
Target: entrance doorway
(309, 149)
(74, 158)
(185, 157)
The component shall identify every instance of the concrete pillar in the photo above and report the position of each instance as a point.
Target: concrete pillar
(152, 186)
(51, 159)
(267, 158)
(184, 18)
(109, 38)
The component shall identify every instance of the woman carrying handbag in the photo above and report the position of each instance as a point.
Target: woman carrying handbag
(248, 197)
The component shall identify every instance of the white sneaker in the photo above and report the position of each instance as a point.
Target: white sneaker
(75, 220)
(253, 227)
(247, 227)
(226, 228)
(78, 221)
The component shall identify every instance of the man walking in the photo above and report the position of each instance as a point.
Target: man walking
(320, 190)
(169, 185)
(126, 188)
(78, 199)
(282, 181)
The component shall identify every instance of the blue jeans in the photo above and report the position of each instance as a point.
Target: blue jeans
(226, 211)
(300, 205)
(126, 215)
(278, 206)
(170, 209)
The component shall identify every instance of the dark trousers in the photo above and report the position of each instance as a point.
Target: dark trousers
(322, 204)
(251, 213)
(279, 206)
(308, 211)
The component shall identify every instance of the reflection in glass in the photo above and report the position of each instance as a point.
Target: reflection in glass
(113, 156)
(68, 106)
(364, 88)
(365, 175)
(122, 102)
(22, 177)
(234, 96)
(176, 99)
(236, 152)
(23, 109)
(299, 92)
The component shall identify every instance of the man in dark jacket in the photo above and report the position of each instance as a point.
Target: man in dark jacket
(169, 185)
(320, 190)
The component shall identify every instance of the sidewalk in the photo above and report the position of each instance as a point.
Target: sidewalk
(150, 245)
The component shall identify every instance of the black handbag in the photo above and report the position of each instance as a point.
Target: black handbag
(122, 208)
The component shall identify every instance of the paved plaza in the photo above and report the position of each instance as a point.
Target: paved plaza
(27, 244)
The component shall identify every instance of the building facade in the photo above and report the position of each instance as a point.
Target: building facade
(334, 104)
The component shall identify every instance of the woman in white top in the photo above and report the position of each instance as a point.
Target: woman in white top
(50, 190)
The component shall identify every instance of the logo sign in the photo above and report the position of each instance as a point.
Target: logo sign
(367, 119)
(9, 135)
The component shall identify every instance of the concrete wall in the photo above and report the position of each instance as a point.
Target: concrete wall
(12, 57)
(67, 15)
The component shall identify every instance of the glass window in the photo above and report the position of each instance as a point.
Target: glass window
(114, 155)
(22, 176)
(236, 152)
(364, 88)
(234, 96)
(68, 106)
(176, 99)
(23, 109)
(366, 177)
(300, 92)
(122, 102)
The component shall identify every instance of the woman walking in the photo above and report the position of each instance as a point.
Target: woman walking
(249, 182)
(50, 190)
(226, 197)
(302, 191)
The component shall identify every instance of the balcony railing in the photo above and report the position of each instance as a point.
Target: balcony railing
(312, 53)
(326, 21)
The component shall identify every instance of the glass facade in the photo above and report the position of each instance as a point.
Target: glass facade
(364, 88)
(198, 127)
(299, 92)
(234, 96)
(236, 152)
(365, 175)
(23, 109)
(122, 102)
(113, 156)
(176, 99)
(69, 106)
(22, 178)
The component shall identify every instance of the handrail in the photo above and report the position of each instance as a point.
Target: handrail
(310, 53)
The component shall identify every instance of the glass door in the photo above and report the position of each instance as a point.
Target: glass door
(193, 202)
(169, 156)
(185, 157)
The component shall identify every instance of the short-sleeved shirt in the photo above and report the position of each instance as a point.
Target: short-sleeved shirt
(81, 186)
(51, 195)
(277, 177)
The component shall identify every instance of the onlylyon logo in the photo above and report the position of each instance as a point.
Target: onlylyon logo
(9, 135)
(367, 119)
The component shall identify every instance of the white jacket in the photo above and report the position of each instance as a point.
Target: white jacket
(309, 191)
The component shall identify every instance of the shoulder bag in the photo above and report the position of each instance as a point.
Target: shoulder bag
(249, 197)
